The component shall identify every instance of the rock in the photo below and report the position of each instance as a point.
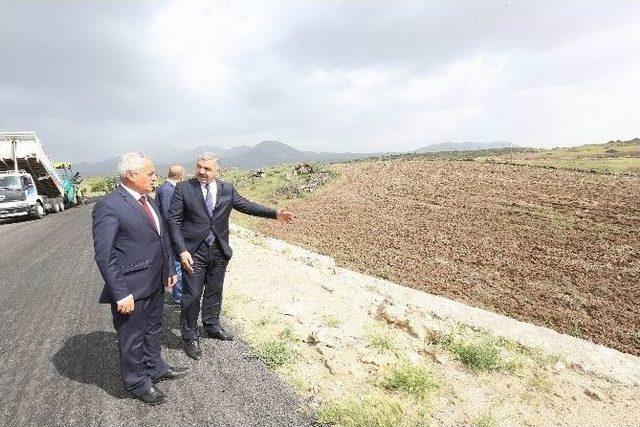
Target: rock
(329, 288)
(442, 359)
(290, 311)
(416, 328)
(323, 336)
(394, 314)
(558, 366)
(376, 359)
(413, 357)
(302, 168)
(336, 367)
(594, 394)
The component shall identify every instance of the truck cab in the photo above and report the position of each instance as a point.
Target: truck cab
(29, 184)
(18, 196)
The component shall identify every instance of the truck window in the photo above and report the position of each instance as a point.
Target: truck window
(10, 183)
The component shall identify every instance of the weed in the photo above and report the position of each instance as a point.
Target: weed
(274, 353)
(331, 320)
(485, 420)
(484, 356)
(372, 412)
(540, 383)
(411, 379)
(379, 336)
(288, 334)
(262, 321)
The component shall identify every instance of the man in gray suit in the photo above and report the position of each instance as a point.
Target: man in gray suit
(199, 229)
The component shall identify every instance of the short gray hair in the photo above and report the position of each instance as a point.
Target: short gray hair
(132, 162)
(208, 156)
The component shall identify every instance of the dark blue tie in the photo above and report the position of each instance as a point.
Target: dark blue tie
(208, 201)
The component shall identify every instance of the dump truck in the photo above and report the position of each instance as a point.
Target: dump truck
(29, 184)
(73, 194)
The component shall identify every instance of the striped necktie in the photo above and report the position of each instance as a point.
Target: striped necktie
(208, 201)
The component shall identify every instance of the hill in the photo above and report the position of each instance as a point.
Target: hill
(464, 146)
(266, 153)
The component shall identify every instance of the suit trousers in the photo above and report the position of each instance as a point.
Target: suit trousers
(206, 282)
(139, 342)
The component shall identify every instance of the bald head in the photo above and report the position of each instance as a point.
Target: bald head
(176, 173)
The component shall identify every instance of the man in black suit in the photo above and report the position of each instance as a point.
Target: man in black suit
(199, 228)
(133, 254)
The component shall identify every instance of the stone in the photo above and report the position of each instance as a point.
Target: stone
(290, 311)
(416, 328)
(392, 313)
(413, 357)
(594, 394)
(323, 336)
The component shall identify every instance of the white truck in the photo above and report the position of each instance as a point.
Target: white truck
(29, 184)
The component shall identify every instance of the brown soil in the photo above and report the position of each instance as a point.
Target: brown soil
(552, 247)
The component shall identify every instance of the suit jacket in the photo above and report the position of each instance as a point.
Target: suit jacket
(164, 193)
(189, 222)
(131, 256)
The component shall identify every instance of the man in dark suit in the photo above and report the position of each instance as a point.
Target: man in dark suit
(164, 193)
(134, 257)
(199, 228)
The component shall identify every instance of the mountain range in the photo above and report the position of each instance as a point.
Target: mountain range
(464, 146)
(266, 153)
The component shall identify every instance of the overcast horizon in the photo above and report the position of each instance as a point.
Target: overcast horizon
(98, 78)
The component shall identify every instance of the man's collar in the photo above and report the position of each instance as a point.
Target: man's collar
(131, 191)
(172, 182)
(211, 184)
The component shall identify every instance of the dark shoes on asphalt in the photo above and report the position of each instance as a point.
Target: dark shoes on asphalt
(153, 396)
(219, 333)
(193, 349)
(172, 374)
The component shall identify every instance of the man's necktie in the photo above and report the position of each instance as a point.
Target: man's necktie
(147, 210)
(208, 201)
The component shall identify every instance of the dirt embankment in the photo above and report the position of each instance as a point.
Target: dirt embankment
(556, 248)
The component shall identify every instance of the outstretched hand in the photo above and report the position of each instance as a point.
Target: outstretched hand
(284, 215)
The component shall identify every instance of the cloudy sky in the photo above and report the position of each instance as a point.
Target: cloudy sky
(96, 78)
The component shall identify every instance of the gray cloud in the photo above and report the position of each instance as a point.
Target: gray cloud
(95, 78)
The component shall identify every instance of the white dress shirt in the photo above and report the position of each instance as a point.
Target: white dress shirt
(137, 196)
(213, 189)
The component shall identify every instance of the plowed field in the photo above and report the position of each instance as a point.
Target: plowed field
(552, 247)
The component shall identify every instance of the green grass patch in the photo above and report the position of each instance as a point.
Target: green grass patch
(371, 412)
(331, 320)
(479, 353)
(414, 380)
(485, 420)
(274, 353)
(482, 356)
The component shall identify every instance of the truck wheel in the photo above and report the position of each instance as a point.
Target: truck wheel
(61, 205)
(38, 212)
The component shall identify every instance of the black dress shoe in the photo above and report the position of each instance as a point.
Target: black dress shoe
(220, 334)
(193, 349)
(153, 396)
(172, 374)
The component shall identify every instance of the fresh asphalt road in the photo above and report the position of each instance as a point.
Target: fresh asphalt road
(58, 353)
